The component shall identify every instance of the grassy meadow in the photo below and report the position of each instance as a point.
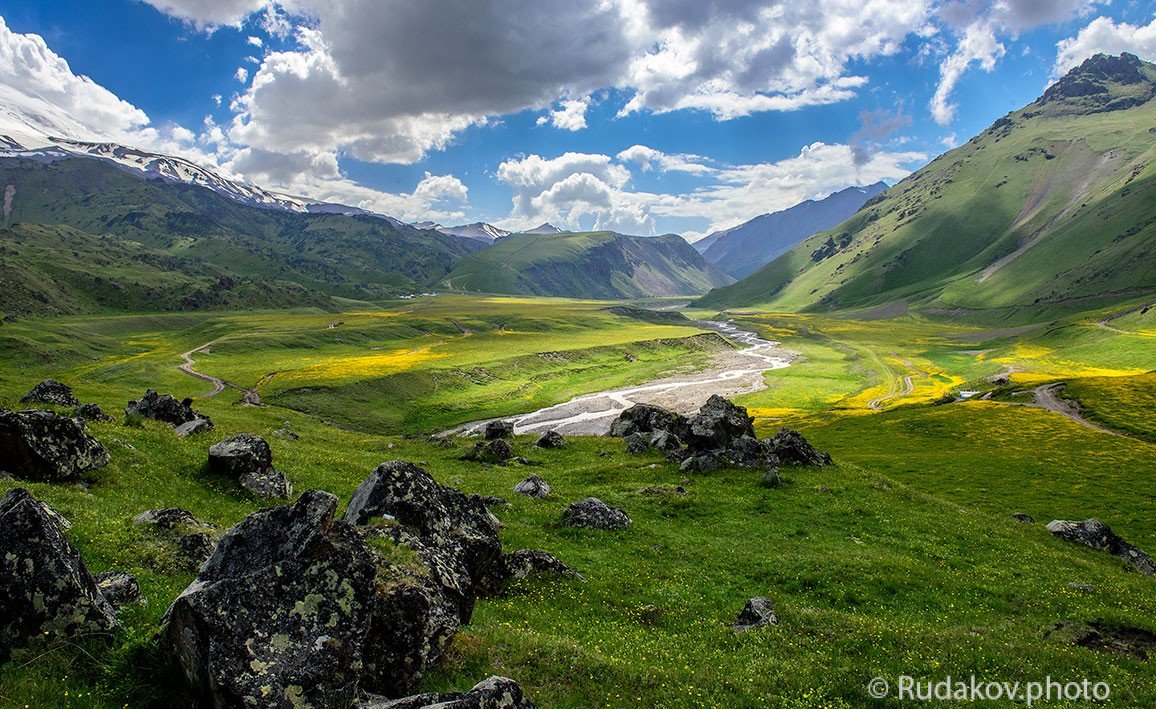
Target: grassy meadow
(902, 559)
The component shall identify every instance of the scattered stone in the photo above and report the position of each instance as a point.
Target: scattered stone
(636, 443)
(499, 429)
(719, 423)
(1023, 517)
(286, 431)
(772, 478)
(522, 460)
(46, 592)
(191, 428)
(249, 460)
(45, 447)
(91, 412)
(757, 613)
(791, 448)
(190, 540)
(592, 513)
(495, 452)
(493, 501)
(119, 589)
(251, 398)
(533, 486)
(665, 441)
(492, 693)
(1097, 535)
(701, 463)
(51, 392)
(551, 439)
(1122, 640)
(646, 418)
(162, 407)
(520, 564)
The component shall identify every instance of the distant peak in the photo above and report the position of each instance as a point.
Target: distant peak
(544, 228)
(1104, 83)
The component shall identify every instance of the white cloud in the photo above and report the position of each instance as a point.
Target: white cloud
(650, 159)
(1104, 35)
(978, 46)
(571, 115)
(209, 14)
(242, 74)
(255, 41)
(217, 99)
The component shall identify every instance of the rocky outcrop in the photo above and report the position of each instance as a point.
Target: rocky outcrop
(51, 392)
(791, 448)
(665, 441)
(494, 452)
(592, 513)
(278, 615)
(45, 447)
(646, 418)
(492, 693)
(551, 439)
(46, 592)
(162, 407)
(91, 412)
(189, 540)
(636, 443)
(1097, 535)
(519, 565)
(248, 459)
(499, 429)
(533, 486)
(757, 613)
(718, 424)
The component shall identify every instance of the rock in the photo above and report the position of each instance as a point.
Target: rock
(46, 592)
(662, 490)
(495, 452)
(492, 693)
(703, 462)
(279, 614)
(249, 460)
(551, 439)
(190, 541)
(757, 613)
(162, 407)
(251, 398)
(91, 412)
(636, 443)
(772, 478)
(1097, 535)
(119, 589)
(45, 447)
(52, 392)
(287, 432)
(493, 501)
(499, 429)
(791, 448)
(718, 423)
(533, 486)
(665, 441)
(1082, 587)
(191, 428)
(592, 513)
(521, 564)
(1023, 517)
(646, 418)
(748, 452)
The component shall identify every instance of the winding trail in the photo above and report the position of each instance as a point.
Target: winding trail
(876, 404)
(1047, 398)
(190, 363)
(732, 373)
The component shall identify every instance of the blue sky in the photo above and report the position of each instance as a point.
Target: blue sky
(645, 116)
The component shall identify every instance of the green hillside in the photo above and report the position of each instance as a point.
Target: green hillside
(82, 233)
(599, 264)
(1051, 209)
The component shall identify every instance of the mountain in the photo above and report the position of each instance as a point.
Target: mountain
(75, 228)
(1051, 209)
(544, 228)
(745, 248)
(478, 230)
(598, 264)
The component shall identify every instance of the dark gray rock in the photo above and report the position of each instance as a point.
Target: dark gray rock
(162, 407)
(791, 448)
(747, 452)
(665, 441)
(703, 462)
(189, 540)
(192, 428)
(592, 513)
(495, 452)
(636, 443)
(551, 439)
(492, 501)
(499, 429)
(91, 412)
(249, 460)
(492, 693)
(278, 615)
(646, 418)
(46, 592)
(119, 588)
(519, 565)
(533, 486)
(757, 613)
(772, 478)
(717, 424)
(1023, 517)
(45, 447)
(52, 392)
(1097, 535)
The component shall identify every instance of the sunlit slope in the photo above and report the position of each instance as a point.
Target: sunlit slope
(1053, 206)
(599, 264)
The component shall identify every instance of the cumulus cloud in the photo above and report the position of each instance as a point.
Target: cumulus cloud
(977, 46)
(255, 41)
(242, 74)
(1104, 35)
(571, 115)
(650, 159)
(209, 14)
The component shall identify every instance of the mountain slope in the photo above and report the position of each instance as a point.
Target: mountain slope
(587, 265)
(745, 248)
(1052, 208)
(478, 230)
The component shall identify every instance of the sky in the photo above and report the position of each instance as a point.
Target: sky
(641, 116)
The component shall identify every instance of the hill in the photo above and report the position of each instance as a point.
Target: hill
(598, 264)
(193, 236)
(1051, 209)
(743, 249)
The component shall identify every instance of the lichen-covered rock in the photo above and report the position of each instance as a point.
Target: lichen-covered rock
(278, 615)
(519, 565)
(791, 448)
(592, 513)
(1097, 535)
(91, 412)
(496, 452)
(45, 447)
(492, 693)
(189, 540)
(636, 443)
(717, 424)
(249, 460)
(52, 392)
(647, 418)
(533, 486)
(118, 588)
(551, 439)
(45, 589)
(191, 428)
(162, 407)
(758, 612)
(499, 429)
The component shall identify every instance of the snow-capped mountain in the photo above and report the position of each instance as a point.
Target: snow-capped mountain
(478, 230)
(544, 228)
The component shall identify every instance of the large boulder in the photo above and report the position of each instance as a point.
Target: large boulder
(492, 693)
(248, 459)
(51, 392)
(551, 439)
(162, 407)
(791, 448)
(279, 613)
(1097, 535)
(748, 452)
(499, 429)
(187, 539)
(637, 443)
(757, 613)
(192, 428)
(665, 441)
(592, 513)
(647, 418)
(717, 424)
(533, 486)
(495, 452)
(46, 592)
(45, 447)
